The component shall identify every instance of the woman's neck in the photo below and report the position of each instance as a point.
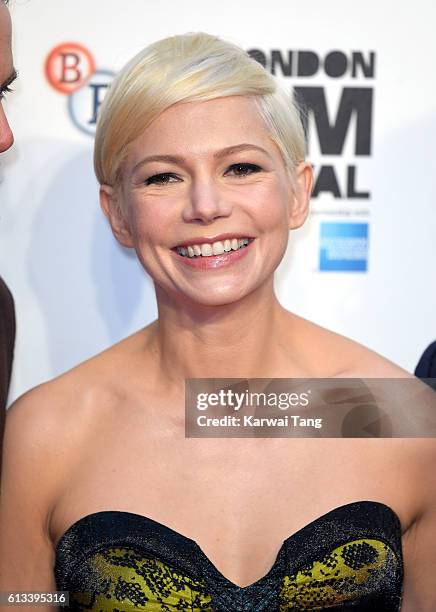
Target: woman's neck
(242, 339)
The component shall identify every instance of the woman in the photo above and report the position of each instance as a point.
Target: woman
(104, 495)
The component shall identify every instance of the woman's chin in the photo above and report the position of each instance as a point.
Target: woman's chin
(217, 296)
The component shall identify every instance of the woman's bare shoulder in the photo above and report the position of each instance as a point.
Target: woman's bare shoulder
(345, 357)
(60, 411)
(46, 423)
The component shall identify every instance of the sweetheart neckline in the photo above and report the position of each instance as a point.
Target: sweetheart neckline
(294, 536)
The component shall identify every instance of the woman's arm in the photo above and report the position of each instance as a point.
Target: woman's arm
(32, 468)
(419, 545)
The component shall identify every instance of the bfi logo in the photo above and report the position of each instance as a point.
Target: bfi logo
(70, 69)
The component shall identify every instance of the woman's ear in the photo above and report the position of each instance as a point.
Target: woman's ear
(110, 205)
(303, 179)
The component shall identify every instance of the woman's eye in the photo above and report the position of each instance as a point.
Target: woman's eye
(239, 170)
(244, 169)
(159, 179)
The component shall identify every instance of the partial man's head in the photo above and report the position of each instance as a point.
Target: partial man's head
(7, 73)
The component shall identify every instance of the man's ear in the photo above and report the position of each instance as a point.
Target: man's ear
(303, 179)
(110, 205)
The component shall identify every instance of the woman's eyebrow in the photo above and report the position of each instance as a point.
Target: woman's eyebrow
(10, 79)
(177, 159)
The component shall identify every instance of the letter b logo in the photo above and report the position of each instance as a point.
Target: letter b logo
(68, 67)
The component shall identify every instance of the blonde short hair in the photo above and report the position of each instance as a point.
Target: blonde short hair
(187, 68)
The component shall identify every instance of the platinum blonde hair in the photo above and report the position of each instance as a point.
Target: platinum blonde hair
(187, 68)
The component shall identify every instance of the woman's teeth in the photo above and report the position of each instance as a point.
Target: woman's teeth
(216, 248)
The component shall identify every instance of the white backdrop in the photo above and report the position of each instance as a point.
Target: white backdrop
(77, 291)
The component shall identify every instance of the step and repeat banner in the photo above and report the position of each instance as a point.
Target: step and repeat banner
(364, 262)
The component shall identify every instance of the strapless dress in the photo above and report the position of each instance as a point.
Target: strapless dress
(347, 559)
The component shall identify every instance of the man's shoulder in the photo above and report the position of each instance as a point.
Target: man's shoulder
(7, 317)
(6, 298)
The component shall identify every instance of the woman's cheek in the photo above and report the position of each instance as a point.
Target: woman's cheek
(150, 221)
(271, 205)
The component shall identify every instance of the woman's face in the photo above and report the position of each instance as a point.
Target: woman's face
(218, 172)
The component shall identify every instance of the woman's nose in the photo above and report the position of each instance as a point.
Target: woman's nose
(6, 136)
(206, 201)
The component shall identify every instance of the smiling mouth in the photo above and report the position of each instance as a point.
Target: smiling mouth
(214, 249)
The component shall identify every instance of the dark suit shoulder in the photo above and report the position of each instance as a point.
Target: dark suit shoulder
(426, 367)
(7, 338)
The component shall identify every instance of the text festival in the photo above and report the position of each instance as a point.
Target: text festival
(332, 126)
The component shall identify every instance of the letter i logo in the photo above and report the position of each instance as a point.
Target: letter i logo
(68, 67)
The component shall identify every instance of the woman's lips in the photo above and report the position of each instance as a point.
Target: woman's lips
(213, 261)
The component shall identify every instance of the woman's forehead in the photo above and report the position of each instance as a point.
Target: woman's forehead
(223, 121)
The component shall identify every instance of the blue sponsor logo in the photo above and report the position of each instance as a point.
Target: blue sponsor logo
(343, 247)
(84, 103)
